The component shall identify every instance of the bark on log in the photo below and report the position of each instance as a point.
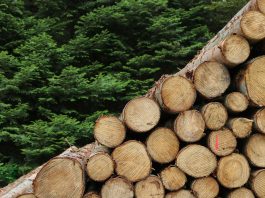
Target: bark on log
(236, 102)
(109, 131)
(206, 187)
(233, 171)
(180, 194)
(91, 195)
(211, 79)
(141, 114)
(241, 193)
(258, 183)
(117, 187)
(162, 145)
(215, 115)
(173, 178)
(259, 120)
(255, 150)
(189, 126)
(132, 161)
(196, 161)
(63, 176)
(176, 94)
(28, 195)
(151, 187)
(241, 127)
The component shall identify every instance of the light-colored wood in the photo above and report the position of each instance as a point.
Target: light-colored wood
(109, 131)
(196, 161)
(151, 187)
(241, 193)
(206, 187)
(233, 171)
(180, 194)
(215, 115)
(259, 120)
(173, 178)
(253, 25)
(261, 6)
(162, 145)
(258, 183)
(211, 79)
(117, 187)
(176, 94)
(251, 81)
(255, 150)
(91, 195)
(29, 195)
(132, 161)
(189, 126)
(236, 102)
(222, 142)
(241, 127)
(141, 114)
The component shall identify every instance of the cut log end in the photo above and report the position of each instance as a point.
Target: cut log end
(117, 187)
(215, 115)
(91, 195)
(255, 150)
(259, 120)
(241, 193)
(233, 171)
(162, 145)
(211, 79)
(173, 178)
(236, 102)
(196, 161)
(109, 131)
(180, 194)
(28, 195)
(222, 142)
(176, 94)
(151, 187)
(132, 161)
(141, 114)
(253, 25)
(241, 127)
(205, 187)
(100, 167)
(185, 130)
(258, 183)
(261, 6)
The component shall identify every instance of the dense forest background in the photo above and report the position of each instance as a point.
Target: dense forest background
(63, 63)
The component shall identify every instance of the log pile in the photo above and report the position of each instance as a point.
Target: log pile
(198, 133)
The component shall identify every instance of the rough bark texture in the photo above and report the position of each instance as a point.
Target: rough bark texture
(206, 187)
(241, 127)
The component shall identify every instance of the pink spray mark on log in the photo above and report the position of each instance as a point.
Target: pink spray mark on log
(216, 143)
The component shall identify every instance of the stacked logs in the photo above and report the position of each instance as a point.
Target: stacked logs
(197, 135)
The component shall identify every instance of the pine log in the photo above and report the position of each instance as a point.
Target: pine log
(253, 25)
(180, 194)
(241, 193)
(162, 145)
(215, 115)
(28, 195)
(151, 187)
(91, 195)
(259, 121)
(109, 131)
(176, 94)
(173, 178)
(117, 187)
(211, 79)
(251, 81)
(258, 183)
(236, 102)
(63, 176)
(261, 6)
(255, 150)
(196, 161)
(132, 161)
(141, 114)
(241, 127)
(189, 126)
(233, 171)
(222, 142)
(206, 187)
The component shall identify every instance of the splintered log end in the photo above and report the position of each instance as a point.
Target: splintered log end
(236, 102)
(180, 194)
(109, 131)
(173, 178)
(206, 187)
(241, 127)
(233, 171)
(149, 188)
(196, 161)
(241, 193)
(141, 114)
(211, 79)
(117, 187)
(132, 161)
(258, 183)
(185, 130)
